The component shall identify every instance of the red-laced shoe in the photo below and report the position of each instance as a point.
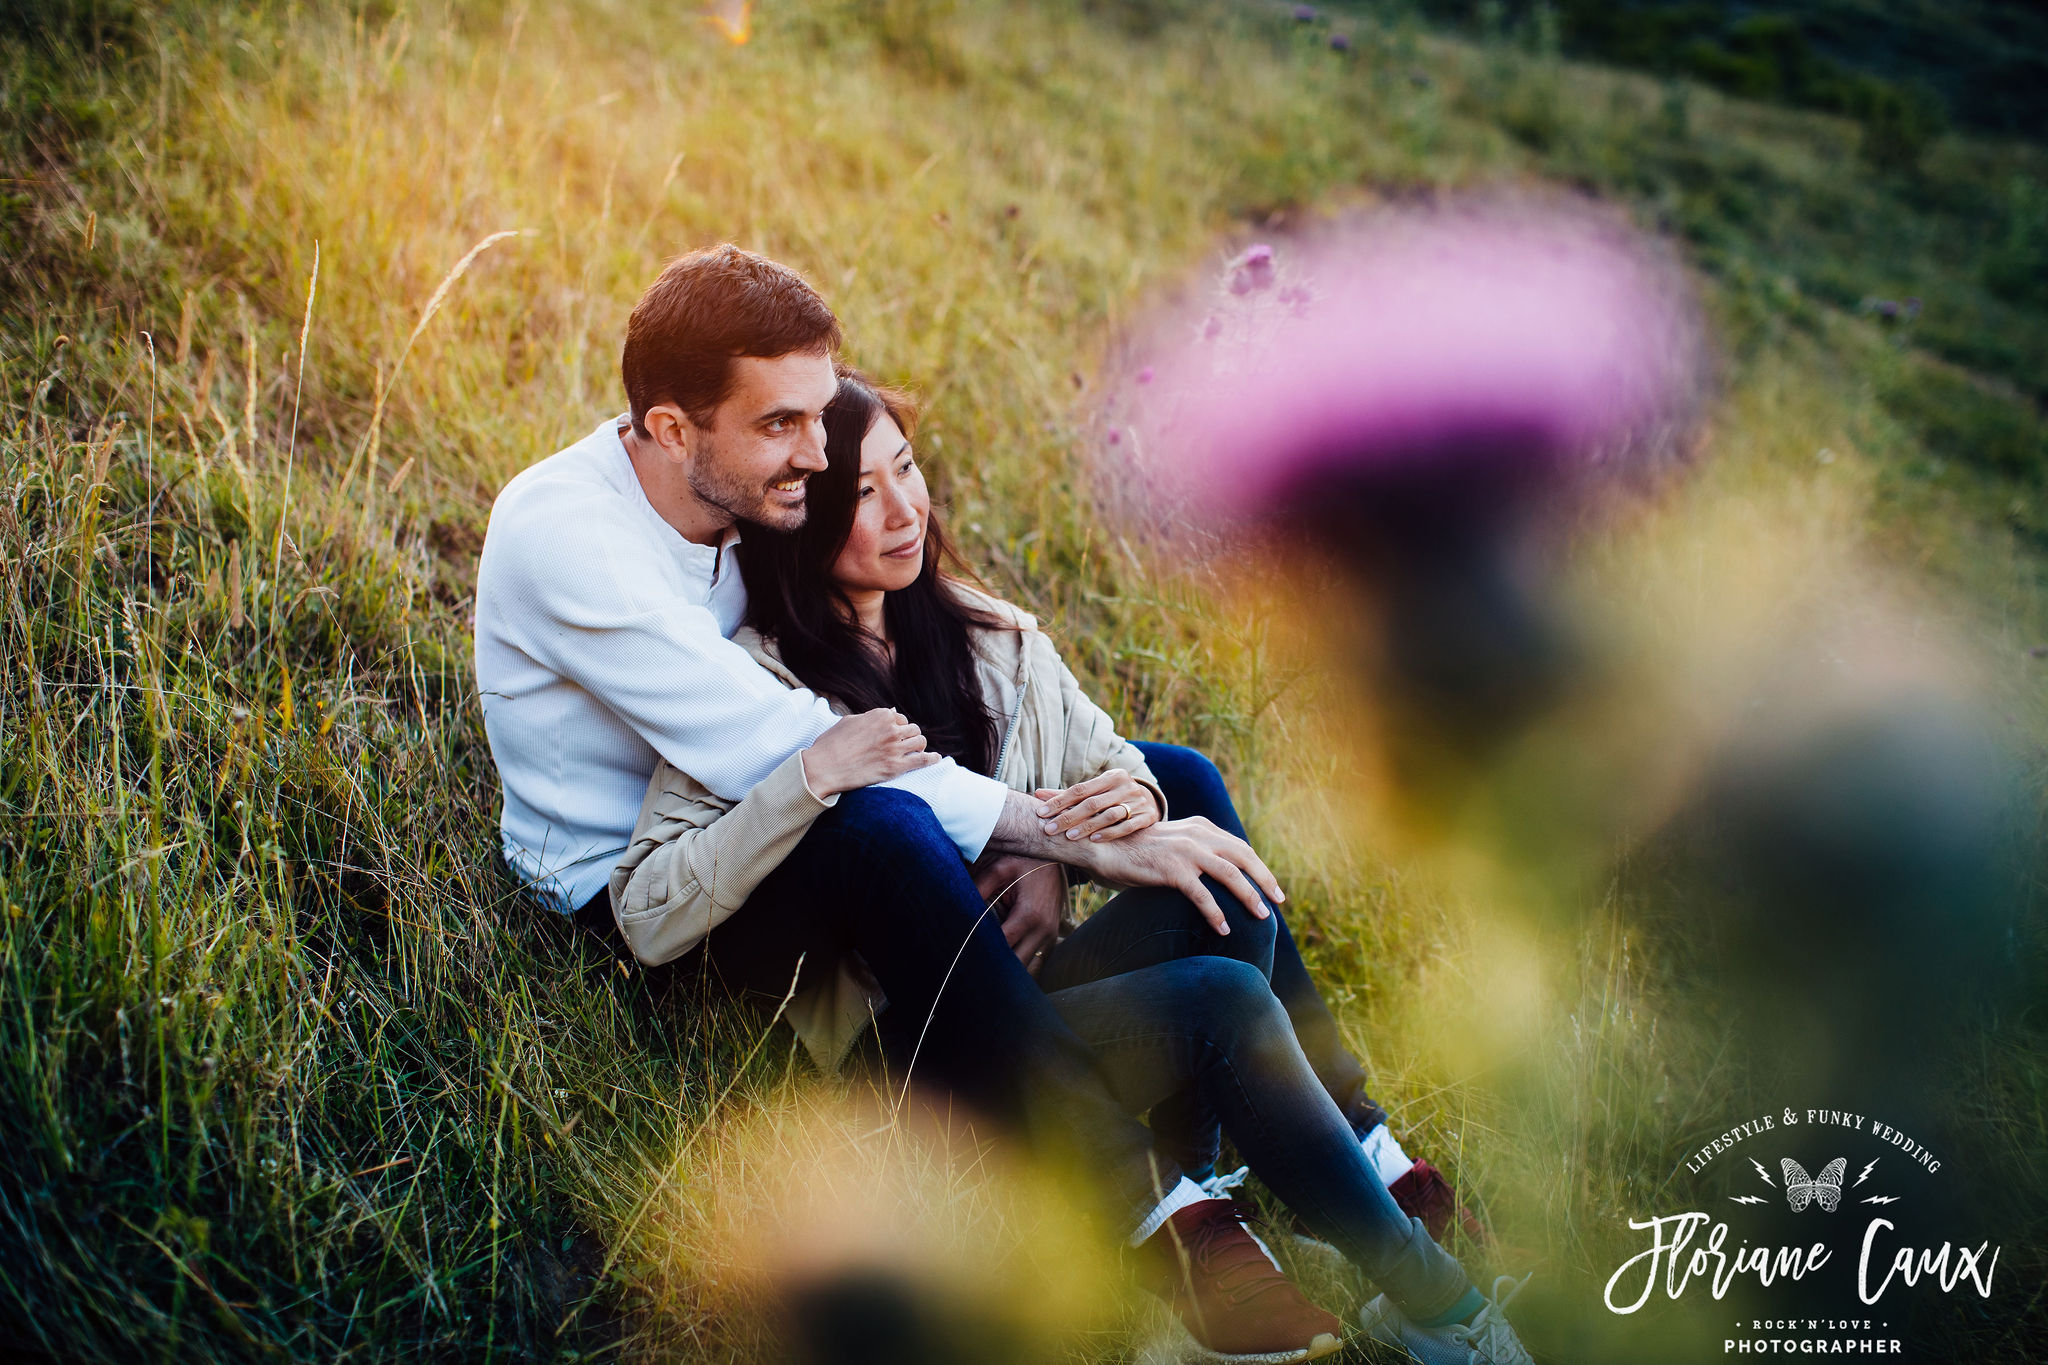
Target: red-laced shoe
(1424, 1193)
(1229, 1295)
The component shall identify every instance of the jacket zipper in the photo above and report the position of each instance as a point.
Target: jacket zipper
(1023, 686)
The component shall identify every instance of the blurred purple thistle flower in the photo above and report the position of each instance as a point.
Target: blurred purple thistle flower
(1541, 338)
(1304, 14)
(1340, 42)
(1447, 380)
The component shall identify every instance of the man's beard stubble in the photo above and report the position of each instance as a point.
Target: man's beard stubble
(741, 501)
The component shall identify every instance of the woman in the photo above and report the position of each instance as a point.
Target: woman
(857, 607)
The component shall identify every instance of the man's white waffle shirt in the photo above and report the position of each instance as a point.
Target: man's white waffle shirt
(602, 641)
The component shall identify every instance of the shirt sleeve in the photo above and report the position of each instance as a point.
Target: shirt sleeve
(660, 663)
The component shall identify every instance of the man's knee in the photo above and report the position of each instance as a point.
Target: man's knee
(1179, 764)
(1233, 997)
(1192, 783)
(1250, 938)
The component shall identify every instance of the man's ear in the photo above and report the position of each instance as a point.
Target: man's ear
(671, 430)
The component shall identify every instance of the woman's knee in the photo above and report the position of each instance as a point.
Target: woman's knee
(881, 826)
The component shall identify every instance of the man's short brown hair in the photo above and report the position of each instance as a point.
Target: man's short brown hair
(705, 309)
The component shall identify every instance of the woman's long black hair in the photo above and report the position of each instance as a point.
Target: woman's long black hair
(793, 600)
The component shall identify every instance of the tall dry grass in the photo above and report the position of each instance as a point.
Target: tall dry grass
(292, 1069)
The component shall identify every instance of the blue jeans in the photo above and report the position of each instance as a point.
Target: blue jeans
(1140, 928)
(1213, 1026)
(877, 875)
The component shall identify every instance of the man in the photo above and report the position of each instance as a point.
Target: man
(606, 594)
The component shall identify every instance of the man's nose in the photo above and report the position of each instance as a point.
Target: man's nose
(810, 452)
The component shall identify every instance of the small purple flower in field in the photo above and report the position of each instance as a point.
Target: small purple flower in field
(1145, 375)
(1887, 309)
(1913, 307)
(1304, 14)
(1252, 270)
(1340, 42)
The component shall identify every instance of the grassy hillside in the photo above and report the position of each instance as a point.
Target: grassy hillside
(1910, 67)
(288, 291)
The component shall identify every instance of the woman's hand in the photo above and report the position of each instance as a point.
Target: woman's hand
(1107, 806)
(1028, 896)
(859, 751)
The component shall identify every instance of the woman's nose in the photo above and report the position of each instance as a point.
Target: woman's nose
(900, 507)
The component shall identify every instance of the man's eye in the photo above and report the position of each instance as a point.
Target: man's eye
(776, 424)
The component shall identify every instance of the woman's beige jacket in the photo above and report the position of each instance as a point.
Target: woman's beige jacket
(695, 858)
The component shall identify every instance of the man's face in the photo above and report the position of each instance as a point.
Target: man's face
(765, 440)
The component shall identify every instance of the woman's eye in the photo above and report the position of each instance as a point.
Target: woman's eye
(865, 491)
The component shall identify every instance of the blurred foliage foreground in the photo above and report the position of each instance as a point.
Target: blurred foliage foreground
(290, 1069)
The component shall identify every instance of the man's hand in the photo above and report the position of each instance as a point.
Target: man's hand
(1107, 806)
(1175, 853)
(859, 751)
(1028, 895)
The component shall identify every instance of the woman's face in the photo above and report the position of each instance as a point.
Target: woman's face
(885, 550)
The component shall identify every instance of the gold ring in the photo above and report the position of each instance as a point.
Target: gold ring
(1123, 813)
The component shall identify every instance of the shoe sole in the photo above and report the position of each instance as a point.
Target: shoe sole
(1187, 1349)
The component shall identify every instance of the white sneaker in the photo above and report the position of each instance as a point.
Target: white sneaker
(1486, 1340)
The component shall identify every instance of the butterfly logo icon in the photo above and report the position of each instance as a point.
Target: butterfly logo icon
(1825, 1188)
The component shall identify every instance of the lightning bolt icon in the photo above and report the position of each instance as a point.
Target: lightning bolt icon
(1882, 1199)
(1866, 1172)
(1762, 1172)
(1747, 1198)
